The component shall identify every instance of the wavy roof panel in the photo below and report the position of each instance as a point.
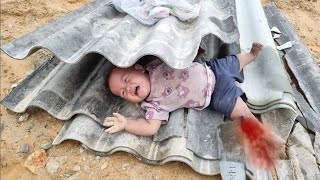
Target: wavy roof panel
(99, 28)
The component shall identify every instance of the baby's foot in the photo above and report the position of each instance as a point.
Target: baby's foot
(256, 49)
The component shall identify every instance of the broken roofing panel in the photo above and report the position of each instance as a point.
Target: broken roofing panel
(302, 154)
(65, 89)
(300, 61)
(303, 68)
(102, 143)
(99, 28)
(266, 83)
(226, 146)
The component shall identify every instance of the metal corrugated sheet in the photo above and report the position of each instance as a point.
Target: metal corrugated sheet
(302, 66)
(99, 28)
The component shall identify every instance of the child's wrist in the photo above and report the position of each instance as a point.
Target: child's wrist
(125, 124)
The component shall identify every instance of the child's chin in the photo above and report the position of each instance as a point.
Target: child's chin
(139, 101)
(136, 100)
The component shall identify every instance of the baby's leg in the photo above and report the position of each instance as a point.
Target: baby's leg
(263, 147)
(241, 110)
(246, 58)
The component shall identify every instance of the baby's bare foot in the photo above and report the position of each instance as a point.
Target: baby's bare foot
(246, 58)
(256, 49)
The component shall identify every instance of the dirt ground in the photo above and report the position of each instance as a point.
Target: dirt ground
(19, 17)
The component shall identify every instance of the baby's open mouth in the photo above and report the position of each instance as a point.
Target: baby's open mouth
(136, 90)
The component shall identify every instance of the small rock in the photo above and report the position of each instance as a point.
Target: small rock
(39, 135)
(62, 159)
(308, 9)
(98, 157)
(31, 125)
(14, 86)
(36, 160)
(23, 117)
(125, 166)
(81, 149)
(72, 151)
(73, 177)
(52, 166)
(86, 169)
(47, 145)
(157, 177)
(25, 148)
(76, 168)
(104, 165)
(54, 163)
(90, 158)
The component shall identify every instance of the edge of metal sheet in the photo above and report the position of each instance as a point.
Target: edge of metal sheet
(301, 63)
(99, 28)
(268, 93)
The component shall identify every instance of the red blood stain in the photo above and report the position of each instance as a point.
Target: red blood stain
(201, 51)
(260, 143)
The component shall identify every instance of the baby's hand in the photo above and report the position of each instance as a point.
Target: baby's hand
(116, 123)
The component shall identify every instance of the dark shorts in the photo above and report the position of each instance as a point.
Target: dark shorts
(225, 93)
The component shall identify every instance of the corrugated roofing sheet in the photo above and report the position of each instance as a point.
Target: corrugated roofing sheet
(99, 28)
(303, 68)
(77, 92)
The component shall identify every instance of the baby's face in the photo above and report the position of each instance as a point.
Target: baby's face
(131, 83)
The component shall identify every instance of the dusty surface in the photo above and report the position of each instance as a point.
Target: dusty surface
(19, 17)
(304, 15)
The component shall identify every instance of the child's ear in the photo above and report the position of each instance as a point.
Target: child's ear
(138, 67)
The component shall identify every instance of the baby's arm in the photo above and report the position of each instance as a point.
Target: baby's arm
(141, 127)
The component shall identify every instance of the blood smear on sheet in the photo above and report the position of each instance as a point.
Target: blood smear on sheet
(201, 51)
(260, 145)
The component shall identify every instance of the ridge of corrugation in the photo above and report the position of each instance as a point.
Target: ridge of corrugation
(99, 28)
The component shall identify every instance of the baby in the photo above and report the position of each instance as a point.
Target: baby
(162, 89)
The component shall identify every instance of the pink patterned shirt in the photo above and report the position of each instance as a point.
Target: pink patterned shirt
(172, 89)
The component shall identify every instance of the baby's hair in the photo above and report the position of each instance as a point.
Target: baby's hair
(107, 84)
(108, 76)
